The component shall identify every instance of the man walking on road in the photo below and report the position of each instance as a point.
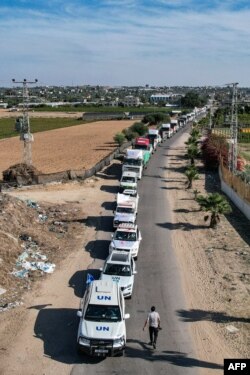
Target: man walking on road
(153, 321)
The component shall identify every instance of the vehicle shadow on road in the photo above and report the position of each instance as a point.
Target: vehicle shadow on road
(183, 226)
(109, 206)
(57, 329)
(78, 281)
(175, 358)
(196, 315)
(110, 189)
(102, 223)
(98, 249)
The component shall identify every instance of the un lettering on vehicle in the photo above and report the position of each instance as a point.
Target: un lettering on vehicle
(116, 279)
(102, 328)
(104, 298)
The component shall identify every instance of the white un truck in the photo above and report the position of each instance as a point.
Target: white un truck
(133, 162)
(102, 328)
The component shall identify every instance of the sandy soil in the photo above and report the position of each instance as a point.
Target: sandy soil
(214, 269)
(77, 147)
(215, 266)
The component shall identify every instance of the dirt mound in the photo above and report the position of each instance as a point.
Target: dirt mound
(22, 174)
(35, 236)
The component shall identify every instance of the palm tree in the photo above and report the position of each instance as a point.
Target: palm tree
(192, 174)
(192, 152)
(191, 141)
(216, 204)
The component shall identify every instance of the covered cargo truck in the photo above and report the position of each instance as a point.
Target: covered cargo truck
(133, 162)
(174, 125)
(144, 145)
(166, 131)
(154, 137)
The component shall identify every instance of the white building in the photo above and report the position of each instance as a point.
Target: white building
(131, 101)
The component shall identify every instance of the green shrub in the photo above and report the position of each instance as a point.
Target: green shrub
(119, 138)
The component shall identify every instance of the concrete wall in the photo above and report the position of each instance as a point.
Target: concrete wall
(238, 201)
(84, 173)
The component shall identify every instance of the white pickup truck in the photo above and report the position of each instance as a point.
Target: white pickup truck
(126, 209)
(120, 268)
(127, 238)
(102, 328)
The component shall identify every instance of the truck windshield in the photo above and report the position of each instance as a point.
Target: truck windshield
(100, 313)
(125, 236)
(128, 179)
(125, 210)
(117, 269)
(141, 147)
(136, 162)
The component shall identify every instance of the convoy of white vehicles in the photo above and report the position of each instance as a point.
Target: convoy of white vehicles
(102, 329)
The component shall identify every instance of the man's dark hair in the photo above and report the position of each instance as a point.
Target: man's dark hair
(153, 308)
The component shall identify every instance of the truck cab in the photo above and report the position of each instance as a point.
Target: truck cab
(127, 238)
(143, 144)
(120, 268)
(128, 181)
(102, 328)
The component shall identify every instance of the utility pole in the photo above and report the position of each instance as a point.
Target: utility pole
(25, 134)
(232, 155)
(210, 117)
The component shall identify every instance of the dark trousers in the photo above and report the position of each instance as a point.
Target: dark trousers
(153, 334)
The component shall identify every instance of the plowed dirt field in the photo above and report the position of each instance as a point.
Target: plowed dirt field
(76, 147)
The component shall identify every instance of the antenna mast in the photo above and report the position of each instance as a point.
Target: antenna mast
(25, 134)
(232, 155)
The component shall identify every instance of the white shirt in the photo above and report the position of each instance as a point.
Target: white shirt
(153, 319)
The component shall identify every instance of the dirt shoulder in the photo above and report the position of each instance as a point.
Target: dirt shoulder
(214, 263)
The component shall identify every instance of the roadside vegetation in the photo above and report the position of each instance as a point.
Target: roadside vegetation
(213, 148)
(139, 129)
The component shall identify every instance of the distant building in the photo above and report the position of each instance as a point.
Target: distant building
(164, 98)
(131, 101)
(159, 98)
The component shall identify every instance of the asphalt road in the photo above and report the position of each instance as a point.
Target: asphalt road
(157, 283)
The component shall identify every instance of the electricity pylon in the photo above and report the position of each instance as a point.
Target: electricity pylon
(25, 134)
(232, 155)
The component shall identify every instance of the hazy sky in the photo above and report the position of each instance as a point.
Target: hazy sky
(125, 42)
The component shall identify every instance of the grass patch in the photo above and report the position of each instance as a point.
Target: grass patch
(7, 125)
